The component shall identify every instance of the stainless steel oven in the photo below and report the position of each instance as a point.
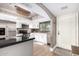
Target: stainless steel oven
(2, 31)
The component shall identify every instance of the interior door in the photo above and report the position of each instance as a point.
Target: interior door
(66, 31)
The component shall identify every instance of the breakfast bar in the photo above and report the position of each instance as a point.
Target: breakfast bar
(12, 47)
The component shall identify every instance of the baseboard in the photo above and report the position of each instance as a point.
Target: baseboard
(62, 52)
(52, 49)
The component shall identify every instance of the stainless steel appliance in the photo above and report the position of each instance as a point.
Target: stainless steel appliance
(2, 31)
(25, 33)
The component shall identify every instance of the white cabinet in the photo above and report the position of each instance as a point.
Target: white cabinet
(21, 49)
(40, 37)
(18, 25)
(34, 25)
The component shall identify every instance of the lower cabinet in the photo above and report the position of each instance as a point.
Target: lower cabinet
(40, 37)
(21, 49)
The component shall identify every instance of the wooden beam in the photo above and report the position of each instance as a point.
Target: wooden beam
(22, 11)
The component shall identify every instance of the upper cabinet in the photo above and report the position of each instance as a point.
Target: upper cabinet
(18, 25)
(44, 26)
(34, 25)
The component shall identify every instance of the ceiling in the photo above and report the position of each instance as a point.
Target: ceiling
(62, 8)
(56, 8)
(17, 9)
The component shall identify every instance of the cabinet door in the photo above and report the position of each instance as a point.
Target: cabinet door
(41, 37)
(18, 25)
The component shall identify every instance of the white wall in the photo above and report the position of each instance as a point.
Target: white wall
(9, 17)
(4, 16)
(70, 31)
(23, 20)
(17, 19)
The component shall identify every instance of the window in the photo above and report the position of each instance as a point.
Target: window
(44, 26)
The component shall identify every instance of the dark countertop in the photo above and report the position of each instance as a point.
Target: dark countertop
(5, 43)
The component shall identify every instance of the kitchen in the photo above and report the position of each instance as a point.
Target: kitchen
(10, 43)
(17, 34)
(14, 33)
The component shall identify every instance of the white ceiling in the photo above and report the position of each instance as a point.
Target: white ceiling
(55, 8)
(37, 9)
(10, 8)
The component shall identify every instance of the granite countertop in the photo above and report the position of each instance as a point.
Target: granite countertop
(5, 43)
